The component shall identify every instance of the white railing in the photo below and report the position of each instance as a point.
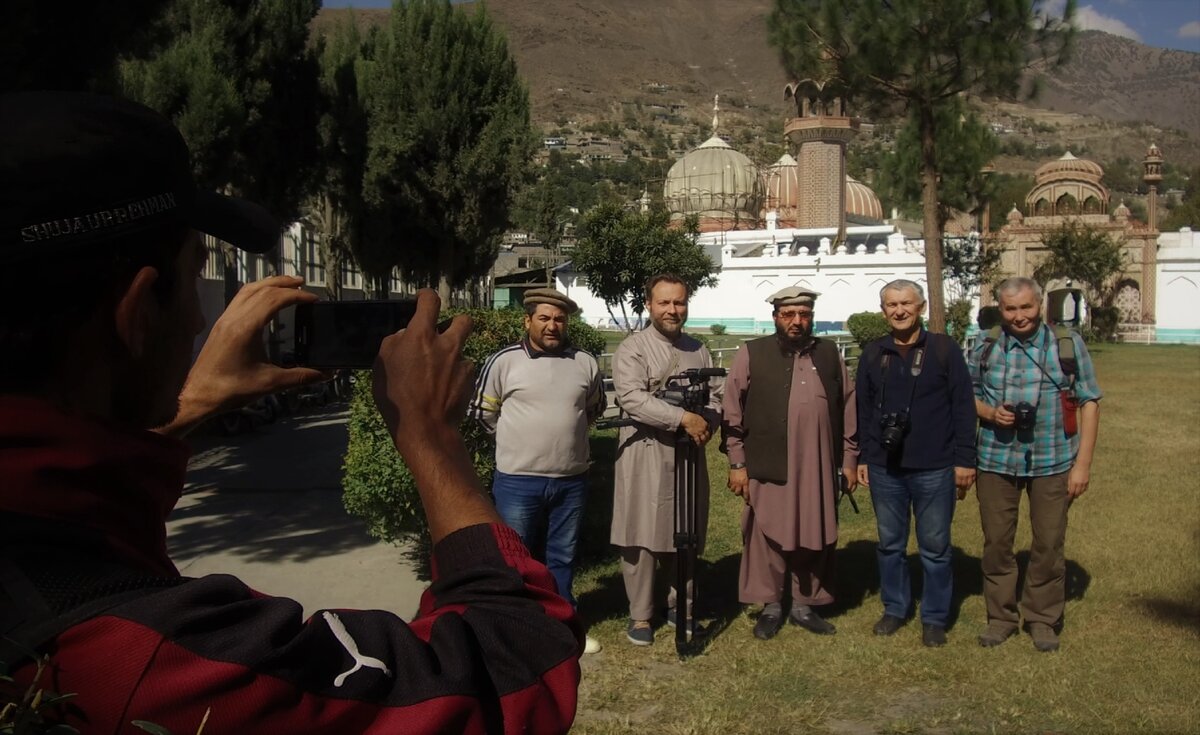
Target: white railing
(1133, 333)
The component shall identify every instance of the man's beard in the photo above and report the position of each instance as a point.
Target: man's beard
(798, 342)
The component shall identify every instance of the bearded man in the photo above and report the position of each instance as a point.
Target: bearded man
(789, 434)
(643, 520)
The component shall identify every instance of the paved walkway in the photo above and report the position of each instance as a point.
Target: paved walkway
(266, 506)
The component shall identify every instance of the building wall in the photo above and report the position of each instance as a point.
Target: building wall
(1178, 297)
(849, 282)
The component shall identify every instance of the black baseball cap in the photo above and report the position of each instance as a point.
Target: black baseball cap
(80, 171)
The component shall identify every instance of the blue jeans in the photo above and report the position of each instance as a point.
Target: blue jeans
(529, 503)
(931, 496)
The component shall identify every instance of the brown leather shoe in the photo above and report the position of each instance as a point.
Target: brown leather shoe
(996, 634)
(1044, 637)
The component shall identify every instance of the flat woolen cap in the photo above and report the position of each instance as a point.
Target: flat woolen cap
(80, 170)
(793, 296)
(550, 296)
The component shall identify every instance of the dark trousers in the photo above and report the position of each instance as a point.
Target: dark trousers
(1044, 595)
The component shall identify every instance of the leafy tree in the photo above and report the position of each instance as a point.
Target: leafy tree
(239, 81)
(448, 143)
(336, 211)
(918, 54)
(971, 263)
(1007, 191)
(1090, 258)
(965, 146)
(48, 46)
(619, 250)
(1187, 212)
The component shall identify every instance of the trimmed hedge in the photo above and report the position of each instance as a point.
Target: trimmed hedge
(377, 486)
(867, 326)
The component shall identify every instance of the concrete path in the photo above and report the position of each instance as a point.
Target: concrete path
(266, 506)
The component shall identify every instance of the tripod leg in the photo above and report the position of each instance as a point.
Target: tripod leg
(686, 537)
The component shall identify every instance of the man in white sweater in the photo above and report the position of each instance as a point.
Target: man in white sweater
(538, 397)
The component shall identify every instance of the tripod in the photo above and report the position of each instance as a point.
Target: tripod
(687, 537)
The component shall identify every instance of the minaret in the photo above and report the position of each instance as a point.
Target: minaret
(1152, 176)
(820, 132)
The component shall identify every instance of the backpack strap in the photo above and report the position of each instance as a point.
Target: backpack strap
(1066, 353)
(990, 338)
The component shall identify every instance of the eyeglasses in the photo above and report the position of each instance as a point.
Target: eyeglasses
(790, 314)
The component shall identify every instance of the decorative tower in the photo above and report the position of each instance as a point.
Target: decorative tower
(819, 133)
(1152, 176)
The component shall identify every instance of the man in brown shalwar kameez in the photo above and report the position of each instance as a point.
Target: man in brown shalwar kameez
(643, 502)
(787, 460)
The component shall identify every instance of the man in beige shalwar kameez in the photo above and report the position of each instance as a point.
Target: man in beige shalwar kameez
(788, 459)
(643, 505)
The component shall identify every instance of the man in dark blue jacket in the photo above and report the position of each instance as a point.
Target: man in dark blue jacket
(916, 425)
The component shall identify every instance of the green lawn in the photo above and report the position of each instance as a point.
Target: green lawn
(1130, 657)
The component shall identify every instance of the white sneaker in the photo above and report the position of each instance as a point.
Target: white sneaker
(591, 645)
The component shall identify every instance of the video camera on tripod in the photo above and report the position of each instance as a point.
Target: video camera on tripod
(690, 391)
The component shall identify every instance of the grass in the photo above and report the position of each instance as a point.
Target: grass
(1130, 648)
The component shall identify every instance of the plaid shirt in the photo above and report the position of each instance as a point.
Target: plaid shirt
(1013, 376)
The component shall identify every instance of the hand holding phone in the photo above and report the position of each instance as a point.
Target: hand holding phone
(421, 380)
(347, 334)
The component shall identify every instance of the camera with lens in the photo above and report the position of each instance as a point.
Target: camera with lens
(1026, 416)
(892, 429)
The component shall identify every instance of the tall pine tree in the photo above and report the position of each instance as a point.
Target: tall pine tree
(917, 54)
(449, 140)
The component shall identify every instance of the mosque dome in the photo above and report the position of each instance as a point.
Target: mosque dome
(1069, 167)
(861, 201)
(716, 183)
(1068, 186)
(781, 184)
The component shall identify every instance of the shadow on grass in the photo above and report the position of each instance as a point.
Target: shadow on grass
(1184, 615)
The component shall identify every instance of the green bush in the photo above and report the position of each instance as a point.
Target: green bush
(717, 329)
(1104, 323)
(867, 326)
(377, 486)
(988, 317)
(958, 319)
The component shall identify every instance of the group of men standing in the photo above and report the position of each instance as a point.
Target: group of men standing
(919, 425)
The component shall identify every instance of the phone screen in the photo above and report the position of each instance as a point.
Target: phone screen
(347, 334)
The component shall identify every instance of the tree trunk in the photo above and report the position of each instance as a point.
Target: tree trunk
(932, 225)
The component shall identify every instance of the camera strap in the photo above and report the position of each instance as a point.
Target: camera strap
(918, 364)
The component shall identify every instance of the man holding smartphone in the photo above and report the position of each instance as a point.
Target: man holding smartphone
(100, 252)
(538, 397)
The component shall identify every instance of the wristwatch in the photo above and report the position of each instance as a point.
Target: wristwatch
(737, 465)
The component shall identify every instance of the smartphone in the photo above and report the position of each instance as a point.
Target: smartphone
(347, 334)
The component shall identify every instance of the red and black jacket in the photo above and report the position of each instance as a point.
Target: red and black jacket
(82, 511)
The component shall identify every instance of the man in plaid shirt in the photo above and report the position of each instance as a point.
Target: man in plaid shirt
(1027, 441)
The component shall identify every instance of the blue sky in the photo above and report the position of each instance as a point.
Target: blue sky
(1162, 23)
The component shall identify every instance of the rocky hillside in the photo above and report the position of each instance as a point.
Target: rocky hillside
(588, 60)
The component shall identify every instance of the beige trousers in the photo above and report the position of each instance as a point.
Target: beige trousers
(638, 569)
